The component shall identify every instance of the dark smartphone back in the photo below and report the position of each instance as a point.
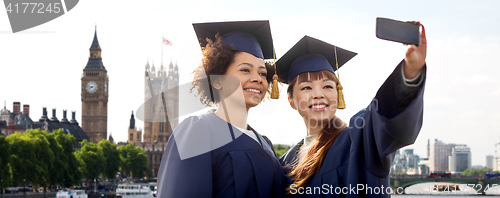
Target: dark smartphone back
(399, 31)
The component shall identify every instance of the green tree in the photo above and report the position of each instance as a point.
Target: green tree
(399, 173)
(30, 156)
(133, 160)
(4, 162)
(72, 175)
(476, 172)
(59, 166)
(281, 149)
(93, 160)
(82, 166)
(111, 156)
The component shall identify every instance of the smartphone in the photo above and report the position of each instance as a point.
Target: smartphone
(399, 31)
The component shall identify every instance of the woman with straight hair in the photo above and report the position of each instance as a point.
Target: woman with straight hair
(336, 159)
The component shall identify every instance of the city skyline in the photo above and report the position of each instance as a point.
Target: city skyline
(42, 66)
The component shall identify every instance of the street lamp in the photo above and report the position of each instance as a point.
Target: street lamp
(24, 189)
(1, 185)
(44, 188)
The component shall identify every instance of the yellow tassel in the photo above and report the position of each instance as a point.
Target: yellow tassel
(275, 92)
(341, 101)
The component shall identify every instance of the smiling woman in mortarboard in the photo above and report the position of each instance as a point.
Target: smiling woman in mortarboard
(336, 159)
(217, 154)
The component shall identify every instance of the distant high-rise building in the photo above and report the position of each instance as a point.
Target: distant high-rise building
(460, 159)
(423, 166)
(496, 164)
(428, 148)
(411, 159)
(405, 162)
(439, 155)
(489, 161)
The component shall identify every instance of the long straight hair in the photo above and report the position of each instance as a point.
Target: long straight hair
(310, 165)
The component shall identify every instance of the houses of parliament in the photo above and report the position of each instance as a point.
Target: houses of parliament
(161, 101)
(161, 112)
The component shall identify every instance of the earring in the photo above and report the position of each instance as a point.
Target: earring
(291, 104)
(217, 85)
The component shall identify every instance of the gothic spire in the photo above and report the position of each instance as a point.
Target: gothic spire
(132, 121)
(95, 44)
(95, 60)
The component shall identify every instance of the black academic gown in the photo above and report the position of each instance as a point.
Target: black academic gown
(211, 158)
(358, 162)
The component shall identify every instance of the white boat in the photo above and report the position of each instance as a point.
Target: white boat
(70, 193)
(139, 190)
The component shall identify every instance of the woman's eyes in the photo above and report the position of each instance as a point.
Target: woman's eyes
(309, 88)
(248, 71)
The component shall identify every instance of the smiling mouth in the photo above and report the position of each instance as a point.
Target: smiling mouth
(253, 91)
(318, 107)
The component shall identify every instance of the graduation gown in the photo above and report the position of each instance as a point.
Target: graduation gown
(358, 163)
(208, 157)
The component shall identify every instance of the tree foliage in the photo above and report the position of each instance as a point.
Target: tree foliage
(30, 157)
(281, 149)
(133, 160)
(4, 162)
(94, 160)
(72, 175)
(399, 173)
(476, 172)
(112, 158)
(56, 169)
(40, 157)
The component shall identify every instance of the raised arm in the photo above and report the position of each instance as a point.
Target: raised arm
(394, 118)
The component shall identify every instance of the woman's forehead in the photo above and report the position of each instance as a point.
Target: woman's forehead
(315, 76)
(244, 57)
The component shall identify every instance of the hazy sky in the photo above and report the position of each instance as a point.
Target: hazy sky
(43, 66)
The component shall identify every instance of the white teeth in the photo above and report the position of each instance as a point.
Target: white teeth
(318, 106)
(253, 90)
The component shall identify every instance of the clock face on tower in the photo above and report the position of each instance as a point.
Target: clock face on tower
(106, 87)
(91, 87)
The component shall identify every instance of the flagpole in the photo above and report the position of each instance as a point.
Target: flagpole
(162, 49)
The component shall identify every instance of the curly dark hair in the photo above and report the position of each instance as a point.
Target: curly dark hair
(216, 60)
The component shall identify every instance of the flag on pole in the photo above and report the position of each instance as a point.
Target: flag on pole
(166, 42)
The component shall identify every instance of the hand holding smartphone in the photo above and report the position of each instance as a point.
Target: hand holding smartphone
(398, 31)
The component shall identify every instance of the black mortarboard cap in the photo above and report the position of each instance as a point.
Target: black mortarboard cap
(253, 37)
(310, 54)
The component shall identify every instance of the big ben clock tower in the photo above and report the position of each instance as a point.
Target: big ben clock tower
(95, 95)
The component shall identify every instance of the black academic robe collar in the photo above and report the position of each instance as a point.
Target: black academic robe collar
(291, 154)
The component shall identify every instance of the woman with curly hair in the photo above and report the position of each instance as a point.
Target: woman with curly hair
(217, 154)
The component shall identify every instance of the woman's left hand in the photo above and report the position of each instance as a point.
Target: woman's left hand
(415, 55)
